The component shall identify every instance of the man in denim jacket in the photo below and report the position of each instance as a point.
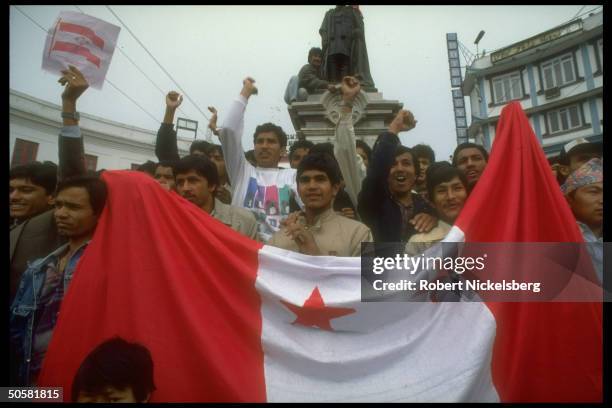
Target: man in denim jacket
(78, 203)
(43, 285)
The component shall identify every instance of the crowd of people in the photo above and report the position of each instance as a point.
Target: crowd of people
(334, 197)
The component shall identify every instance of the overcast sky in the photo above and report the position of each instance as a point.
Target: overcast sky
(208, 50)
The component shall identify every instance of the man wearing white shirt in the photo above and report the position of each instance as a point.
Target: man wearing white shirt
(264, 189)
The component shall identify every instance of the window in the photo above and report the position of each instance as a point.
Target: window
(507, 88)
(91, 162)
(24, 152)
(600, 51)
(558, 71)
(564, 119)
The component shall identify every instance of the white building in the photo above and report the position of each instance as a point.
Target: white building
(556, 75)
(34, 126)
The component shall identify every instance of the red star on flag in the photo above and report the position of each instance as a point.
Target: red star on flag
(314, 313)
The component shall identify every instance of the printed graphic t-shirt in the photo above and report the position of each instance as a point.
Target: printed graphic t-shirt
(264, 191)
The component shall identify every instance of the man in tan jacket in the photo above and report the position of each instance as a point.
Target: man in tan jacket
(318, 230)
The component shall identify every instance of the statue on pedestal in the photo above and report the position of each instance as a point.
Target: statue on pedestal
(344, 48)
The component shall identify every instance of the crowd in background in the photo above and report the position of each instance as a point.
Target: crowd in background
(334, 197)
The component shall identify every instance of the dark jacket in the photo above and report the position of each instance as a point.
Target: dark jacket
(376, 206)
(310, 79)
(166, 147)
(359, 63)
(34, 238)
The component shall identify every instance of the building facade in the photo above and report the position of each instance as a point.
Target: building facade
(557, 76)
(34, 126)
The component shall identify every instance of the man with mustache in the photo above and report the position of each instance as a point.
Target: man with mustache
(386, 202)
(197, 181)
(471, 159)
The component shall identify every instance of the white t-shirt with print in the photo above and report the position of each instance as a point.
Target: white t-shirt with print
(264, 191)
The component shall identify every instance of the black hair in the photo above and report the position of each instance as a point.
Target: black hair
(365, 147)
(200, 145)
(424, 151)
(401, 149)
(590, 147)
(201, 165)
(271, 127)
(442, 172)
(250, 156)
(148, 167)
(468, 145)
(300, 144)
(314, 51)
(214, 148)
(322, 162)
(41, 174)
(95, 187)
(166, 163)
(119, 364)
(325, 147)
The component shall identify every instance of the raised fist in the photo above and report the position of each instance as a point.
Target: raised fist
(404, 120)
(248, 87)
(173, 99)
(350, 88)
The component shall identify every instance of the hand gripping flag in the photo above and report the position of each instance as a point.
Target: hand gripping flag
(227, 319)
(84, 41)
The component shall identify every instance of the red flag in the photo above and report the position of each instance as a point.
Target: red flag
(556, 348)
(82, 30)
(183, 287)
(226, 319)
(78, 50)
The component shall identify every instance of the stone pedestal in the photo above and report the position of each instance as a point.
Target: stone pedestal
(315, 118)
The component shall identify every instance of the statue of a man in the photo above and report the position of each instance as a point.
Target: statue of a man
(344, 48)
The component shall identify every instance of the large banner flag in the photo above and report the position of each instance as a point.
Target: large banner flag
(228, 319)
(81, 40)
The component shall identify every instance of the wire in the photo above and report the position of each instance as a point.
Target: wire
(105, 80)
(30, 18)
(133, 101)
(157, 62)
(138, 68)
(581, 8)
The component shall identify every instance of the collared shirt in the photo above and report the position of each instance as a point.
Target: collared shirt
(594, 247)
(334, 234)
(238, 219)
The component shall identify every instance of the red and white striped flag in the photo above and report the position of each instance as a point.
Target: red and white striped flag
(227, 319)
(83, 41)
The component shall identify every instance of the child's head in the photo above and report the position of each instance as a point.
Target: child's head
(115, 371)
